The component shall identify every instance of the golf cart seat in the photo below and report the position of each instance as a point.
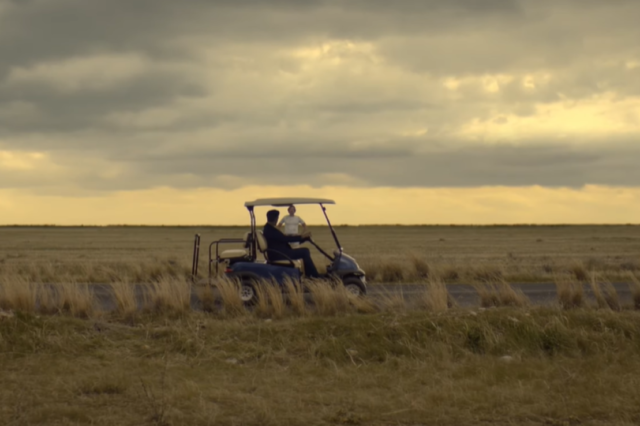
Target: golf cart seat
(233, 254)
(262, 246)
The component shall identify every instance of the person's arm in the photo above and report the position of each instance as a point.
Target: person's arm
(304, 225)
(281, 223)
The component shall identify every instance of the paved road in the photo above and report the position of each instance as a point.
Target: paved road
(464, 295)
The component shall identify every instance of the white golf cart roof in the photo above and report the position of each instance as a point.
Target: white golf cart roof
(282, 202)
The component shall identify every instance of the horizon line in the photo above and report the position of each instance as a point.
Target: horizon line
(342, 225)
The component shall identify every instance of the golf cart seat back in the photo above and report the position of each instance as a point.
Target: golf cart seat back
(237, 253)
(262, 246)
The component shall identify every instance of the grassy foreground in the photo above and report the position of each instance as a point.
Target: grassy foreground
(495, 366)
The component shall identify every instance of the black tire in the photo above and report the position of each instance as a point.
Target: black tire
(354, 286)
(248, 292)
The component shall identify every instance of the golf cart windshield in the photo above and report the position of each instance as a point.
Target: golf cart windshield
(283, 202)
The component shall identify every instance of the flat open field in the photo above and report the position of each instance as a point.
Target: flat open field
(339, 361)
(498, 367)
(387, 253)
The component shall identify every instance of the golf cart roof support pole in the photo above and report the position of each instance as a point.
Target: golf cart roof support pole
(322, 251)
(210, 262)
(196, 258)
(253, 233)
(335, 237)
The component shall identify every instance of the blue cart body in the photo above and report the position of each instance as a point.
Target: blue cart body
(265, 271)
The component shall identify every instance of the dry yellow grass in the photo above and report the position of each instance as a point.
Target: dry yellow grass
(262, 307)
(435, 297)
(276, 300)
(635, 289)
(601, 302)
(48, 299)
(500, 293)
(394, 253)
(611, 296)
(206, 297)
(510, 296)
(570, 293)
(271, 303)
(363, 305)
(391, 272)
(329, 300)
(170, 297)
(421, 269)
(503, 366)
(76, 299)
(295, 297)
(344, 360)
(125, 298)
(229, 291)
(487, 294)
(328, 346)
(604, 293)
(579, 271)
(487, 273)
(168, 294)
(391, 301)
(17, 293)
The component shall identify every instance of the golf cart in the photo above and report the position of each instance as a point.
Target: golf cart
(244, 265)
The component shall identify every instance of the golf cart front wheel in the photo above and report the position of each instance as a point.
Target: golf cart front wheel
(248, 293)
(354, 286)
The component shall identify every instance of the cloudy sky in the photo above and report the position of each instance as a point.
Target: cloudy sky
(404, 111)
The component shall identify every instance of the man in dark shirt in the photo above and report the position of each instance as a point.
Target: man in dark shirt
(278, 245)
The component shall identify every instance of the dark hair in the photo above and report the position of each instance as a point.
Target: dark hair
(273, 215)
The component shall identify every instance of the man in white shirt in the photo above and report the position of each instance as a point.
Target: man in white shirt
(292, 224)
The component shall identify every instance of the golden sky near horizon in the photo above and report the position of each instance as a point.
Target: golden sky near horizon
(498, 111)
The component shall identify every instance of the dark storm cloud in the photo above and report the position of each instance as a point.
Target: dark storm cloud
(550, 164)
(214, 63)
(545, 164)
(34, 31)
(86, 109)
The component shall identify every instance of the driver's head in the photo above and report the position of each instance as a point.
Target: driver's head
(272, 216)
(292, 209)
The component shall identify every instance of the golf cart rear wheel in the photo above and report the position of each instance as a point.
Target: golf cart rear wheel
(248, 293)
(354, 286)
